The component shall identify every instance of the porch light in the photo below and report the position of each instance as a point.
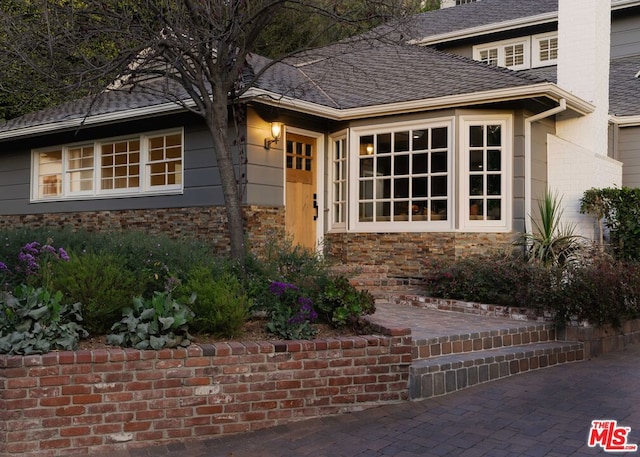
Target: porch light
(276, 133)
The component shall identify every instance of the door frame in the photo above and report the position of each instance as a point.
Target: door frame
(320, 177)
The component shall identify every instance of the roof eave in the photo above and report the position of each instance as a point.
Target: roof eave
(625, 121)
(487, 29)
(548, 90)
(98, 119)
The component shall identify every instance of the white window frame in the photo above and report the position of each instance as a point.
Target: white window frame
(501, 47)
(505, 223)
(355, 224)
(143, 189)
(334, 200)
(535, 49)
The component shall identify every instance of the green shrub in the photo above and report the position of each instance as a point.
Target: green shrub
(103, 285)
(620, 209)
(287, 263)
(153, 324)
(341, 304)
(37, 321)
(221, 307)
(603, 291)
(291, 313)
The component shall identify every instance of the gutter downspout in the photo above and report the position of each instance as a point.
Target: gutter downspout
(528, 157)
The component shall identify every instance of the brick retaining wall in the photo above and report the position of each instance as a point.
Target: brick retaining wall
(85, 402)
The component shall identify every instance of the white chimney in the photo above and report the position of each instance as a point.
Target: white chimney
(584, 36)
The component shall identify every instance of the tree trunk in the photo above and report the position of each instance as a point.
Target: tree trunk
(218, 127)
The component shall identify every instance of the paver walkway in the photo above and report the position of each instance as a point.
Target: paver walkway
(427, 323)
(540, 413)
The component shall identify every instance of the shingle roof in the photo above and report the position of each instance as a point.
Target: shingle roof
(624, 87)
(476, 14)
(377, 74)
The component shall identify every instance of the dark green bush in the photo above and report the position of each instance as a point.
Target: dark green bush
(342, 305)
(603, 291)
(221, 306)
(38, 321)
(620, 209)
(499, 279)
(101, 283)
(291, 313)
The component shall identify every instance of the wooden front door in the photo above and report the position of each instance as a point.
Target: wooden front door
(301, 210)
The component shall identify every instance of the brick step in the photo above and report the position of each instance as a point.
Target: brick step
(444, 374)
(519, 334)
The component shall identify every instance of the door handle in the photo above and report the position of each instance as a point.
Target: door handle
(315, 206)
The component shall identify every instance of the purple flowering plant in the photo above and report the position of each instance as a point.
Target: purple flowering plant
(35, 263)
(291, 313)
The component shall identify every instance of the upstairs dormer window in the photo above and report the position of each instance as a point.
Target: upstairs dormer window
(520, 53)
(513, 54)
(545, 49)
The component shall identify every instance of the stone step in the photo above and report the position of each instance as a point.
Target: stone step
(519, 333)
(440, 375)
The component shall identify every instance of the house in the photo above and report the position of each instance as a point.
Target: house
(390, 153)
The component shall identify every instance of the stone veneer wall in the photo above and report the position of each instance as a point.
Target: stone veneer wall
(88, 402)
(208, 223)
(394, 262)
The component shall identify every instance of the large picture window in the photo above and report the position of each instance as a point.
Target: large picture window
(404, 176)
(140, 164)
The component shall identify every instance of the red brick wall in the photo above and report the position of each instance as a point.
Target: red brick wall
(86, 402)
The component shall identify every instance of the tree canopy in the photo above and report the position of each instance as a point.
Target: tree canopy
(199, 47)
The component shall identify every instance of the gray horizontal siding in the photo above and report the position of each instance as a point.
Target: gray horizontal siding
(625, 36)
(201, 188)
(629, 155)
